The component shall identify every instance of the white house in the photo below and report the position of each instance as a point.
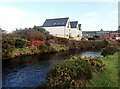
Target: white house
(59, 27)
(75, 30)
(62, 27)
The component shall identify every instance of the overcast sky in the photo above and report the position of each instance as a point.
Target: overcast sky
(92, 15)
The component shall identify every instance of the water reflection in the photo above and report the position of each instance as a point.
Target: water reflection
(31, 71)
(91, 54)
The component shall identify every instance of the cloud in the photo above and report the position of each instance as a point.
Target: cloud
(11, 18)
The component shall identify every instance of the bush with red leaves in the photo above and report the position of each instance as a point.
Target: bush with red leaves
(35, 43)
(30, 34)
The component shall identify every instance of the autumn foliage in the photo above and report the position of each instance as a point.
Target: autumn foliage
(30, 34)
(35, 43)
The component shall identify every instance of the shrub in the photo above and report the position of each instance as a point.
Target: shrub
(91, 38)
(44, 31)
(109, 50)
(40, 29)
(30, 34)
(27, 43)
(97, 36)
(63, 75)
(19, 43)
(47, 43)
(74, 72)
(63, 41)
(97, 63)
(36, 43)
(90, 44)
(42, 48)
(7, 46)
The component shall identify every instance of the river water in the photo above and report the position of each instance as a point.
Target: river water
(30, 71)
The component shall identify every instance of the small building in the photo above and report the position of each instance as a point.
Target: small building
(89, 33)
(59, 27)
(62, 27)
(75, 31)
(103, 34)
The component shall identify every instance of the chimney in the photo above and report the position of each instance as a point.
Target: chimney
(79, 26)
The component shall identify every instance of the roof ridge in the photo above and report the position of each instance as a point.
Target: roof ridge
(58, 18)
(73, 21)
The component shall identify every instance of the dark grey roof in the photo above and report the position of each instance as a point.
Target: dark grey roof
(101, 29)
(73, 24)
(55, 22)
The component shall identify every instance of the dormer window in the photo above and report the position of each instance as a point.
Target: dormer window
(54, 24)
(58, 23)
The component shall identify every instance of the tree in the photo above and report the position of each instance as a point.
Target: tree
(44, 31)
(39, 28)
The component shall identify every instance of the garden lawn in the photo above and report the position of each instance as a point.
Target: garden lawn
(108, 77)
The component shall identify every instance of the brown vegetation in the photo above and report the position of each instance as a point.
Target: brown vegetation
(43, 42)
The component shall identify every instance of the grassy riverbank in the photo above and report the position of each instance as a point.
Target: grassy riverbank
(30, 41)
(15, 46)
(78, 73)
(109, 77)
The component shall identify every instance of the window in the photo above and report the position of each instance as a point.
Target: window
(58, 23)
(54, 24)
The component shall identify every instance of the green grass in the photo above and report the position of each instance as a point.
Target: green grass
(108, 77)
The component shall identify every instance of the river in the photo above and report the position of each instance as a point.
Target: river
(30, 71)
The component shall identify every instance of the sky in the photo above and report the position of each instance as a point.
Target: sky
(92, 15)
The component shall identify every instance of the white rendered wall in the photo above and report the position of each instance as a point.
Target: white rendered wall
(59, 31)
(65, 31)
(75, 32)
(68, 27)
(80, 34)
